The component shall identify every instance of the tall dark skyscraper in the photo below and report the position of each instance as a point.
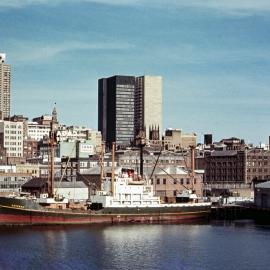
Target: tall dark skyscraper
(116, 109)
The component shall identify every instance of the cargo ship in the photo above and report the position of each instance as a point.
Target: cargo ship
(131, 201)
(124, 198)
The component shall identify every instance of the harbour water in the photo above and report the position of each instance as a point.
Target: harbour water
(239, 245)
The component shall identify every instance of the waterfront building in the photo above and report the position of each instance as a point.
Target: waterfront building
(227, 166)
(232, 166)
(262, 195)
(116, 110)
(172, 180)
(148, 105)
(11, 179)
(257, 165)
(73, 191)
(4, 87)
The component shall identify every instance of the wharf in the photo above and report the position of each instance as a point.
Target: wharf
(233, 212)
(229, 212)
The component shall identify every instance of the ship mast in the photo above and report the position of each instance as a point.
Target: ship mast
(101, 161)
(112, 178)
(140, 142)
(52, 144)
(192, 166)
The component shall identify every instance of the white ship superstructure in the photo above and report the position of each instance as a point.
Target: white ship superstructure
(129, 190)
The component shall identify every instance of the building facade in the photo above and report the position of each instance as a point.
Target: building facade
(148, 104)
(66, 133)
(116, 110)
(258, 164)
(38, 131)
(4, 87)
(172, 180)
(227, 166)
(11, 138)
(175, 139)
(128, 105)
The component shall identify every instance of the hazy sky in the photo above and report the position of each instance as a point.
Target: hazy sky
(213, 55)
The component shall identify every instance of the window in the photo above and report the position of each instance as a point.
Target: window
(164, 181)
(158, 181)
(175, 181)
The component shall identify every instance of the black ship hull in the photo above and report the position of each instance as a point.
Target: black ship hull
(15, 211)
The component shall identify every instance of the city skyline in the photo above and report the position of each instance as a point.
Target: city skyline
(213, 57)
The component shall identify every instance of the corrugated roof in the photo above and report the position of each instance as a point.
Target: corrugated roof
(42, 182)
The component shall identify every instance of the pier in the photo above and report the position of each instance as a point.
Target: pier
(233, 212)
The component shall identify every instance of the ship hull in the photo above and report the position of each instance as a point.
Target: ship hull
(16, 213)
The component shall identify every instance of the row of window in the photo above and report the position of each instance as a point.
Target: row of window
(13, 143)
(14, 126)
(257, 157)
(257, 170)
(13, 132)
(259, 163)
(13, 138)
(182, 181)
(15, 154)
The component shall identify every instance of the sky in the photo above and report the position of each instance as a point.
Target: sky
(213, 55)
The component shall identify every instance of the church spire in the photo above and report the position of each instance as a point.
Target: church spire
(54, 113)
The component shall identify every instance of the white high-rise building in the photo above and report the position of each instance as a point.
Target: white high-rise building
(11, 138)
(4, 87)
(148, 104)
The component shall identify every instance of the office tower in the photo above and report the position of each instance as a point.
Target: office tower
(116, 110)
(148, 105)
(4, 87)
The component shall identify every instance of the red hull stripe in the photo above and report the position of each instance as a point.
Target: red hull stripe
(31, 220)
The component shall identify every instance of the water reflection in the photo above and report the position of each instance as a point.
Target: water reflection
(240, 245)
(55, 242)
